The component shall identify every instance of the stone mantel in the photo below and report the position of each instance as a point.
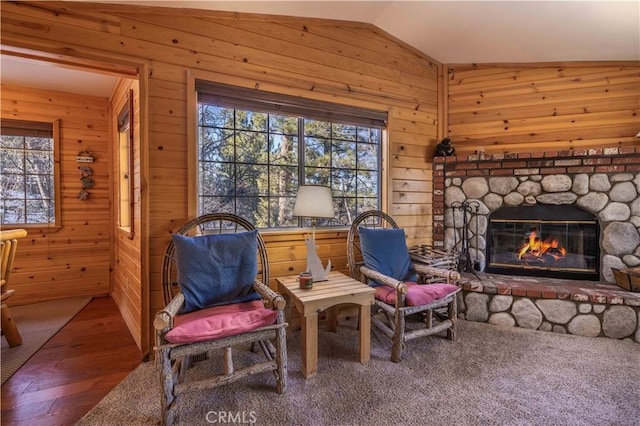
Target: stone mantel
(605, 182)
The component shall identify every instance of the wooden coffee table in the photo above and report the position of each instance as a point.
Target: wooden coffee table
(338, 289)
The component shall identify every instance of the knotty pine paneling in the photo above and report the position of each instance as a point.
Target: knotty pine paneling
(521, 109)
(335, 61)
(74, 260)
(126, 280)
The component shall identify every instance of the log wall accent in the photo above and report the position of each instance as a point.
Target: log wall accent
(510, 109)
(126, 281)
(74, 260)
(348, 63)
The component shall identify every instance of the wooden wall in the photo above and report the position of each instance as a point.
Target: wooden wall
(74, 260)
(353, 64)
(516, 108)
(126, 283)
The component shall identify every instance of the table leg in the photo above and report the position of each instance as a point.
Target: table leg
(310, 346)
(365, 333)
(332, 319)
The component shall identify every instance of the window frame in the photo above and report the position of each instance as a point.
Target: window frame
(125, 129)
(57, 209)
(239, 98)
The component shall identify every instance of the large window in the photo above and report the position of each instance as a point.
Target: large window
(253, 154)
(28, 173)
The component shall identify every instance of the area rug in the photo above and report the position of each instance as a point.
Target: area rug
(491, 375)
(37, 323)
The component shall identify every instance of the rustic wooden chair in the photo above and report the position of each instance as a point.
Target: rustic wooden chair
(9, 241)
(378, 255)
(214, 277)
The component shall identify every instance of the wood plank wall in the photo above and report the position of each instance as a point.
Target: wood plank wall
(126, 282)
(353, 64)
(516, 108)
(74, 260)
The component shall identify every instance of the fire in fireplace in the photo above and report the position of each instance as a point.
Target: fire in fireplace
(543, 240)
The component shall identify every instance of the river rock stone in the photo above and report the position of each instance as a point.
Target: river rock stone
(513, 199)
(557, 198)
(636, 180)
(503, 185)
(637, 338)
(500, 303)
(585, 325)
(475, 187)
(478, 223)
(623, 192)
(526, 314)
(453, 218)
(584, 308)
(556, 183)
(502, 318)
(451, 237)
(493, 201)
(598, 309)
(580, 184)
(599, 182)
(557, 311)
(621, 177)
(619, 322)
(593, 202)
(559, 329)
(631, 260)
(453, 194)
(456, 181)
(620, 238)
(478, 242)
(529, 188)
(477, 307)
(615, 211)
(635, 207)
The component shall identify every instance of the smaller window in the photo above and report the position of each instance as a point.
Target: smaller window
(29, 178)
(125, 162)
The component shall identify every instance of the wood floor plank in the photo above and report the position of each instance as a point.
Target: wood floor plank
(73, 371)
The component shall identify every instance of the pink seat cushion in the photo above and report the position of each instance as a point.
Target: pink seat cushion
(220, 321)
(417, 294)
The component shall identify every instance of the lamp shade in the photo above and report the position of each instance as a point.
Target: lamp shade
(314, 201)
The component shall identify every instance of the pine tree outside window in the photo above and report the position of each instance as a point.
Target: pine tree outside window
(253, 154)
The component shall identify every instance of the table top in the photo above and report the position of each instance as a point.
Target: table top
(339, 288)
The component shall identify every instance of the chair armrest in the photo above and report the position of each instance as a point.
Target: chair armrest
(438, 272)
(164, 318)
(276, 300)
(399, 286)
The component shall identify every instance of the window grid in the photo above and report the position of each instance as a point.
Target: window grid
(280, 202)
(27, 190)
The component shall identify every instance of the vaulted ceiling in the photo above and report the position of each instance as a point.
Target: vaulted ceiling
(447, 31)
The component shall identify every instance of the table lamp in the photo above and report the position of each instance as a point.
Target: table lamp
(314, 202)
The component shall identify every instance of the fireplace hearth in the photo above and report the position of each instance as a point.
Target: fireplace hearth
(549, 241)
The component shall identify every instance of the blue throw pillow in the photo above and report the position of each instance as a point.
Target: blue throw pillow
(216, 269)
(385, 250)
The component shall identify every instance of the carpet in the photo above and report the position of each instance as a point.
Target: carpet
(491, 375)
(37, 323)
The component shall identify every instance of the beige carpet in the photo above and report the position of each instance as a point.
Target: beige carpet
(37, 323)
(491, 375)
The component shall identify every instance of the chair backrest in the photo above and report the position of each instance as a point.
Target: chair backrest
(211, 223)
(368, 219)
(9, 241)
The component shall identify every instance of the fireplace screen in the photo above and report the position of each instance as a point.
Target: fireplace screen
(554, 241)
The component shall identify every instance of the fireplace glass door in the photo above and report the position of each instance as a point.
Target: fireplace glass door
(554, 242)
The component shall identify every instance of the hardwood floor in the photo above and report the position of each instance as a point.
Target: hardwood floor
(73, 371)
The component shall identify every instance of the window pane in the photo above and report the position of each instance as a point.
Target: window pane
(343, 182)
(9, 141)
(367, 184)
(280, 212)
(317, 152)
(216, 144)
(251, 147)
(251, 180)
(344, 131)
(283, 124)
(317, 128)
(254, 209)
(283, 180)
(217, 179)
(216, 204)
(11, 161)
(345, 210)
(365, 204)
(38, 187)
(344, 155)
(215, 116)
(38, 211)
(315, 176)
(367, 156)
(38, 162)
(371, 135)
(283, 149)
(248, 120)
(45, 144)
(13, 211)
(12, 186)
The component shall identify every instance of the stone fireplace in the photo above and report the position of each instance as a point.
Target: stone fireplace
(604, 184)
(543, 230)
